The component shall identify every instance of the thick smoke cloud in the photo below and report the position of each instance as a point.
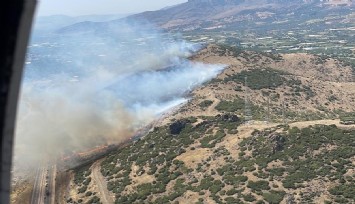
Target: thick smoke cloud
(83, 90)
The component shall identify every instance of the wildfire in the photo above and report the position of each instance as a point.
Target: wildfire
(85, 153)
(92, 151)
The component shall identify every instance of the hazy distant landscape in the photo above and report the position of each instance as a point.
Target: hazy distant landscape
(208, 101)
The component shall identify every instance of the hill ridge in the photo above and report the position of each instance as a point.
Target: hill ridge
(201, 154)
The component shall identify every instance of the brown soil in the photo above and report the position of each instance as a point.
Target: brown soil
(21, 194)
(192, 158)
(138, 179)
(61, 186)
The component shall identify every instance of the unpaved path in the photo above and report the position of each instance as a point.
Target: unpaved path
(100, 181)
(245, 129)
(52, 170)
(39, 188)
(212, 109)
(304, 124)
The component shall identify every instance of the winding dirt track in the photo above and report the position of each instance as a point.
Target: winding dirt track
(100, 181)
(304, 124)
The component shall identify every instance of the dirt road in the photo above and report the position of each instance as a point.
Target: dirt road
(100, 181)
(44, 185)
(304, 124)
(52, 171)
(39, 187)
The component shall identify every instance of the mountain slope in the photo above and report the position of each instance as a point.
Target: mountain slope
(204, 10)
(195, 13)
(233, 14)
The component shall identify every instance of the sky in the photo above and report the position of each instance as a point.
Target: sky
(89, 7)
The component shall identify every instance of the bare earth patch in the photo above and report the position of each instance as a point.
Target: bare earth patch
(193, 157)
(140, 179)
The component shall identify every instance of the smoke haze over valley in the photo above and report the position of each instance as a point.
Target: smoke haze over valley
(84, 90)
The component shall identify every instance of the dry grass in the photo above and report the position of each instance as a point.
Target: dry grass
(22, 192)
(192, 158)
(139, 179)
(327, 79)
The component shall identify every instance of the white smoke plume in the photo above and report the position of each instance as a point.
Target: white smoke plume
(80, 91)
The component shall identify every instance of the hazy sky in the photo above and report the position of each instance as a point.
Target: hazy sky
(87, 7)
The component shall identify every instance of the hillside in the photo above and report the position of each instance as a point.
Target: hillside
(310, 87)
(227, 15)
(205, 152)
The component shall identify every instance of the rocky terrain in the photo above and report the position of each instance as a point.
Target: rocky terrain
(266, 130)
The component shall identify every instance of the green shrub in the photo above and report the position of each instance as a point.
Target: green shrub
(258, 185)
(274, 197)
(259, 78)
(249, 197)
(82, 189)
(231, 106)
(232, 191)
(94, 200)
(346, 190)
(226, 49)
(211, 140)
(206, 103)
(230, 200)
(89, 193)
(81, 173)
